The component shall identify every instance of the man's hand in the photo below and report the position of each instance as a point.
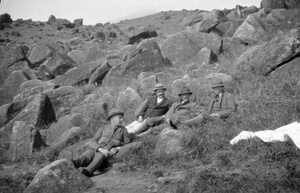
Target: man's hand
(214, 115)
(113, 151)
(140, 119)
(105, 152)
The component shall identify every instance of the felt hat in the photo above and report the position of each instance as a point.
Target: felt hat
(185, 90)
(216, 83)
(114, 112)
(159, 86)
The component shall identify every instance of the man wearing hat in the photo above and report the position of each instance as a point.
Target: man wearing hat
(105, 144)
(152, 113)
(221, 106)
(183, 111)
(223, 103)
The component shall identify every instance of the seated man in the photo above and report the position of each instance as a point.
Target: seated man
(180, 112)
(151, 114)
(105, 144)
(222, 105)
(183, 111)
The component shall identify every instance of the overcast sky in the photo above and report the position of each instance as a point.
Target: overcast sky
(102, 11)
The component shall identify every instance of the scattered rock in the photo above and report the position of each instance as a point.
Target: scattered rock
(128, 100)
(9, 111)
(39, 53)
(169, 142)
(192, 19)
(57, 176)
(25, 139)
(265, 58)
(99, 74)
(205, 57)
(69, 137)
(144, 33)
(58, 64)
(94, 53)
(78, 21)
(269, 5)
(146, 85)
(78, 76)
(33, 87)
(65, 97)
(10, 87)
(252, 29)
(39, 113)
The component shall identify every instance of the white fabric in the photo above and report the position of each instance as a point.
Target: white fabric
(159, 100)
(133, 127)
(284, 133)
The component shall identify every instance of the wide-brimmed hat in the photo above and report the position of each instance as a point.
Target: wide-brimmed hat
(216, 83)
(114, 112)
(159, 86)
(185, 90)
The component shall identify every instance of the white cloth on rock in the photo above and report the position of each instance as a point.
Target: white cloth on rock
(284, 133)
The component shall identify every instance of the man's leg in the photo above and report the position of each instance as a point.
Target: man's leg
(149, 122)
(85, 159)
(196, 120)
(96, 163)
(134, 126)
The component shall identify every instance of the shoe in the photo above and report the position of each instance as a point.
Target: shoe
(86, 173)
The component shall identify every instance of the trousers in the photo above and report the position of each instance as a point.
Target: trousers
(90, 159)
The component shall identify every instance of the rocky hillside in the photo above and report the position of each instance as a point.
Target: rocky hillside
(59, 79)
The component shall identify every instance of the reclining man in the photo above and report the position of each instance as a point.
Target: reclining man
(152, 113)
(105, 144)
(179, 113)
(222, 105)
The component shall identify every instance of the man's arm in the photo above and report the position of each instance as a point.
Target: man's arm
(170, 112)
(230, 108)
(143, 110)
(94, 142)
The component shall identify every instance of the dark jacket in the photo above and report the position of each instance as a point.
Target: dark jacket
(183, 111)
(108, 137)
(224, 106)
(151, 109)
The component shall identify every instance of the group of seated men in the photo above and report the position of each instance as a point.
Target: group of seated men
(158, 112)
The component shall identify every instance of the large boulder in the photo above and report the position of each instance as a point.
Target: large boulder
(169, 142)
(80, 75)
(146, 85)
(58, 64)
(265, 58)
(192, 19)
(12, 58)
(143, 33)
(39, 53)
(96, 111)
(128, 100)
(59, 176)
(292, 4)
(205, 57)
(9, 111)
(67, 122)
(210, 20)
(38, 112)
(253, 29)
(65, 97)
(25, 139)
(179, 49)
(33, 87)
(99, 74)
(269, 5)
(69, 137)
(147, 57)
(94, 53)
(10, 87)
